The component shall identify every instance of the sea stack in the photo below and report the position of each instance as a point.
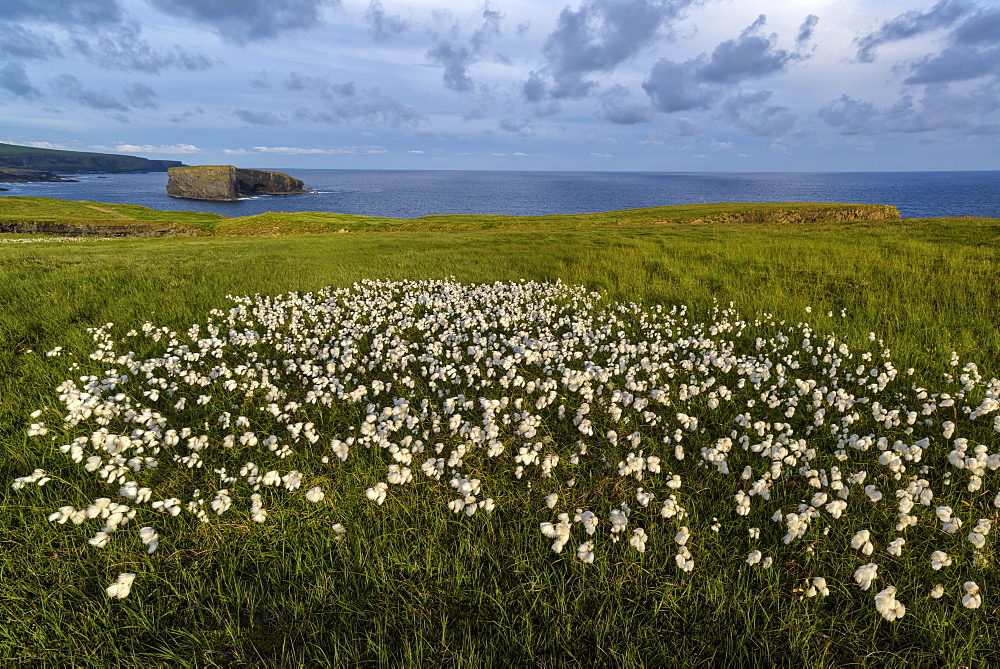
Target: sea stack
(226, 182)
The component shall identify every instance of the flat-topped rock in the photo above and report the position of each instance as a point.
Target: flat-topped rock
(226, 182)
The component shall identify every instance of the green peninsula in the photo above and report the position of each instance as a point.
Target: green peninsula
(78, 162)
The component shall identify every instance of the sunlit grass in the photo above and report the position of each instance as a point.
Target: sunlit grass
(411, 583)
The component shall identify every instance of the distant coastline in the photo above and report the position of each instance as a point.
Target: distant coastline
(15, 159)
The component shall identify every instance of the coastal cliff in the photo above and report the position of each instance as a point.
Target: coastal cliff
(226, 182)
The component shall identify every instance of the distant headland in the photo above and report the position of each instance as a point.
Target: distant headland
(20, 164)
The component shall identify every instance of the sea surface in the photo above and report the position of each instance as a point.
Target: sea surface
(409, 194)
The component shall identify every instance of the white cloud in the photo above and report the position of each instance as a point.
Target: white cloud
(37, 145)
(335, 151)
(169, 149)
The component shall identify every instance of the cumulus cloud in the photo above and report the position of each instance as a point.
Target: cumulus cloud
(807, 30)
(245, 21)
(259, 117)
(16, 41)
(940, 109)
(910, 24)
(345, 102)
(14, 79)
(982, 28)
(617, 107)
(751, 56)
(83, 14)
(521, 127)
(456, 60)
(140, 95)
(700, 82)
(69, 86)
(676, 87)
(99, 30)
(457, 55)
(956, 63)
(383, 26)
(972, 51)
(121, 48)
(598, 37)
(750, 112)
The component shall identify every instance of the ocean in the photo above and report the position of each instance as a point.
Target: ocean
(409, 194)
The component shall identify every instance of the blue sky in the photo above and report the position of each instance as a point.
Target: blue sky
(651, 85)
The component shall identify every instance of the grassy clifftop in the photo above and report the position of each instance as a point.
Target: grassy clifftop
(18, 212)
(78, 162)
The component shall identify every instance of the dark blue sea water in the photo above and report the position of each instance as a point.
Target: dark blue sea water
(408, 194)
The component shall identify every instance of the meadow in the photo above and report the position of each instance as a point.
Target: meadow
(583, 442)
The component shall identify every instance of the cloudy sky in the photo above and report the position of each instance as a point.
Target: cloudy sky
(651, 85)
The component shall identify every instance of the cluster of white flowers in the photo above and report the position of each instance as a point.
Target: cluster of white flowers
(471, 390)
(37, 240)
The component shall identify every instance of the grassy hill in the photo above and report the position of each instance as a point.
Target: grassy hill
(78, 162)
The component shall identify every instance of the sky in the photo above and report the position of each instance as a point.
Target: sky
(607, 85)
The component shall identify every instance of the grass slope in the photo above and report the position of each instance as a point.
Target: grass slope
(47, 210)
(412, 588)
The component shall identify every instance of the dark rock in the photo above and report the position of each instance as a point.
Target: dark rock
(226, 182)
(131, 229)
(27, 175)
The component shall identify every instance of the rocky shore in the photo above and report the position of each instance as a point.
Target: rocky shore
(20, 175)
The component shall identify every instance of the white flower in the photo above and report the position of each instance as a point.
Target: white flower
(818, 587)
(585, 552)
(588, 519)
(940, 559)
(972, 599)
(938, 591)
(861, 541)
(888, 606)
(552, 500)
(638, 539)
(315, 494)
(754, 557)
(150, 538)
(865, 575)
(377, 492)
(896, 546)
(121, 587)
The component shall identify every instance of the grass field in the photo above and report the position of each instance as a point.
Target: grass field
(412, 582)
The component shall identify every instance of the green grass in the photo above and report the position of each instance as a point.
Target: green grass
(47, 210)
(412, 585)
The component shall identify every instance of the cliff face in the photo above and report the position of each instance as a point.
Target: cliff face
(226, 182)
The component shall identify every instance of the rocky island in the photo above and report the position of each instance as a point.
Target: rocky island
(226, 182)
